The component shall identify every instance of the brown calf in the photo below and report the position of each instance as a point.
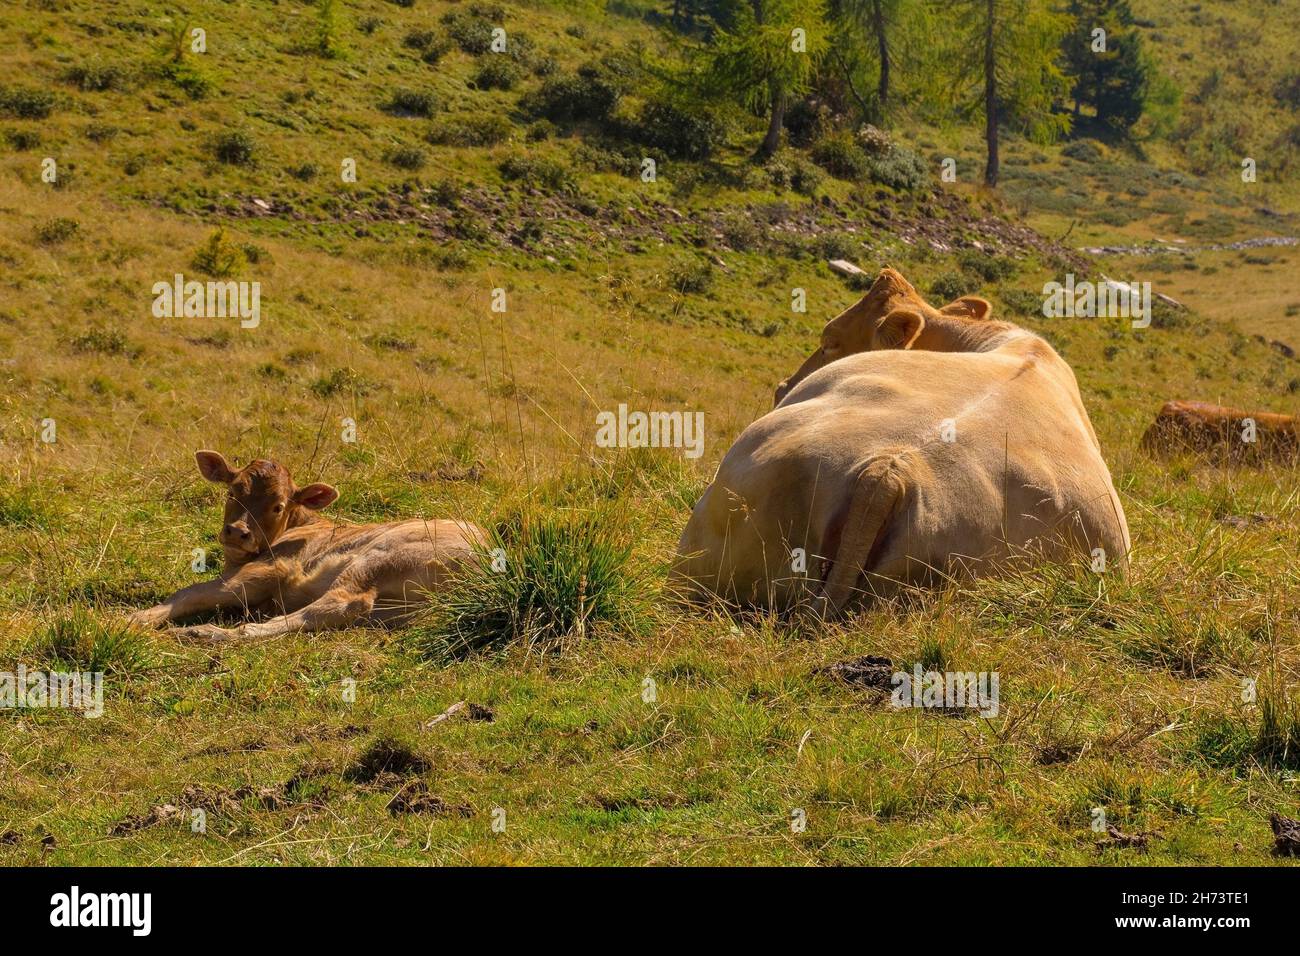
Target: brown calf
(1232, 433)
(316, 574)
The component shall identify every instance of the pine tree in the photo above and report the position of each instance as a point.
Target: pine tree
(769, 56)
(1005, 67)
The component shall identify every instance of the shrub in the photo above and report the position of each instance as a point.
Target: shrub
(537, 171)
(985, 266)
(431, 46)
(571, 98)
(841, 156)
(101, 342)
(219, 257)
(305, 172)
(807, 121)
(192, 81)
(471, 33)
(235, 147)
(27, 102)
(101, 132)
(23, 139)
(900, 169)
(483, 129)
(563, 578)
(97, 77)
(54, 231)
(949, 286)
(1084, 150)
(412, 103)
(690, 276)
(740, 232)
(407, 157)
(681, 133)
(497, 73)
(805, 178)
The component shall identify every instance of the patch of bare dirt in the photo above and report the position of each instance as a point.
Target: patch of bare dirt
(416, 797)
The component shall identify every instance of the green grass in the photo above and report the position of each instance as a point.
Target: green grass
(625, 728)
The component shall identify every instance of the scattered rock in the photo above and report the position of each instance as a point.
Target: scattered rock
(845, 268)
(866, 671)
(464, 708)
(416, 797)
(452, 472)
(1286, 835)
(1245, 521)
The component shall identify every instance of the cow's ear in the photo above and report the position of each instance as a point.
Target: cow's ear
(898, 330)
(968, 307)
(315, 496)
(212, 466)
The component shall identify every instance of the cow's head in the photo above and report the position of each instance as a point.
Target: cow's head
(261, 503)
(892, 315)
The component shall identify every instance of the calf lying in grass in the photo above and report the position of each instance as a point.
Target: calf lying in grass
(317, 574)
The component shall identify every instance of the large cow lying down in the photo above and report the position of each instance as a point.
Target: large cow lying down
(282, 556)
(915, 443)
(1237, 435)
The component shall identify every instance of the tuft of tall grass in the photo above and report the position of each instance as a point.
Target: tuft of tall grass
(545, 578)
(79, 640)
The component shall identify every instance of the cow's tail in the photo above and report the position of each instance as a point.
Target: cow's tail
(877, 495)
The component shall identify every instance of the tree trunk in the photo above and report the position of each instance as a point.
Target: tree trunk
(990, 100)
(772, 141)
(882, 42)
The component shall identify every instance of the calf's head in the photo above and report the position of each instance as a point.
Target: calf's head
(892, 315)
(262, 503)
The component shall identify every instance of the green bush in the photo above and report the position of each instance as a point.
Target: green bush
(219, 257)
(471, 33)
(569, 98)
(97, 77)
(497, 73)
(27, 102)
(54, 231)
(537, 171)
(841, 156)
(235, 147)
(412, 103)
(483, 129)
(900, 169)
(949, 286)
(694, 134)
(407, 157)
(690, 276)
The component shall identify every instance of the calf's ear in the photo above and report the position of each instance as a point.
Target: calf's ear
(315, 496)
(968, 307)
(212, 466)
(898, 330)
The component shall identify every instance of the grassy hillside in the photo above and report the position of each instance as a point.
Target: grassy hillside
(673, 294)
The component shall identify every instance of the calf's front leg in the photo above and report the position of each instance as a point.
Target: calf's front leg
(245, 587)
(333, 610)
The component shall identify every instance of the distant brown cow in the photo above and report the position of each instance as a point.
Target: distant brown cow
(281, 555)
(1231, 433)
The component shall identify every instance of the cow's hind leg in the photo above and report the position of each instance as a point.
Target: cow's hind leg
(333, 610)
